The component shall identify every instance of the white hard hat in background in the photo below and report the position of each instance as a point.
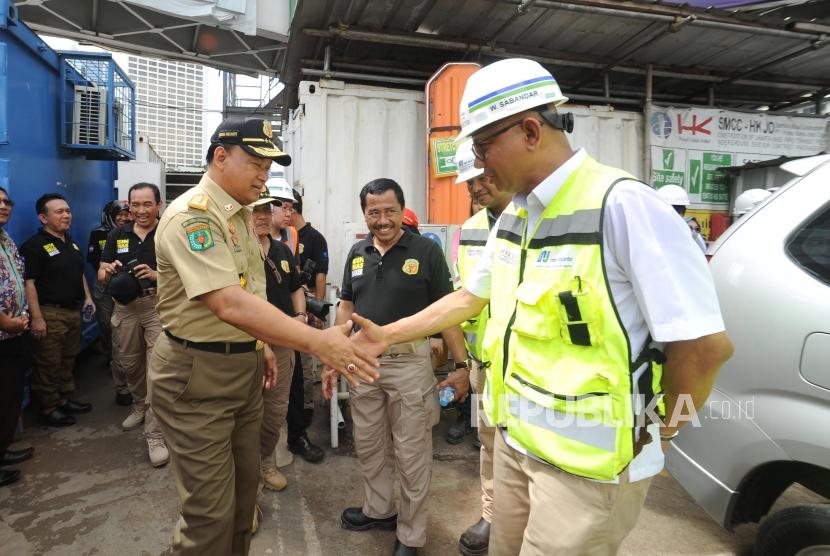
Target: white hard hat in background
(280, 189)
(465, 162)
(505, 88)
(747, 200)
(674, 195)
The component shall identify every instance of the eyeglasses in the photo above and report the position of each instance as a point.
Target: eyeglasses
(7, 202)
(480, 147)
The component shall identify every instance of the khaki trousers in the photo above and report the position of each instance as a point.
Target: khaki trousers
(104, 306)
(135, 328)
(393, 419)
(541, 511)
(487, 435)
(275, 402)
(209, 407)
(55, 354)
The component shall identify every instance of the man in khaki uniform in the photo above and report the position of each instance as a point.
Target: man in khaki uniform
(205, 373)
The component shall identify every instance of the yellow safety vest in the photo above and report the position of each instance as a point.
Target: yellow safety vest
(474, 233)
(560, 358)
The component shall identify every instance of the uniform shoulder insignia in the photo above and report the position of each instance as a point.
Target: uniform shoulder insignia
(198, 201)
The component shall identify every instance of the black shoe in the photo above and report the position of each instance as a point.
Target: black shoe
(477, 442)
(124, 399)
(71, 406)
(56, 418)
(309, 452)
(354, 519)
(403, 550)
(13, 457)
(476, 539)
(457, 432)
(9, 476)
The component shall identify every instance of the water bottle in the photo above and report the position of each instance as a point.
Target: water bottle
(446, 395)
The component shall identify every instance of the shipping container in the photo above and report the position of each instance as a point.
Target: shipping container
(342, 136)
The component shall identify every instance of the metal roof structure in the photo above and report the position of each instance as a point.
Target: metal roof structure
(128, 27)
(619, 52)
(601, 51)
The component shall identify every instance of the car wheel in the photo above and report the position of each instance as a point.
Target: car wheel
(798, 531)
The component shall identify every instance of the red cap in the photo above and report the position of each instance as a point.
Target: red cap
(410, 218)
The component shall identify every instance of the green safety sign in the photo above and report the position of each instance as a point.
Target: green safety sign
(443, 156)
(714, 183)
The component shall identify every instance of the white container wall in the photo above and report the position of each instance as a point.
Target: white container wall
(342, 136)
(611, 137)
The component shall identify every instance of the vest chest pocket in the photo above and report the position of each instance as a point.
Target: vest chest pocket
(537, 313)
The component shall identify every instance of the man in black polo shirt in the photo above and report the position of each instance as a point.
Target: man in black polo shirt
(56, 289)
(115, 213)
(390, 275)
(128, 270)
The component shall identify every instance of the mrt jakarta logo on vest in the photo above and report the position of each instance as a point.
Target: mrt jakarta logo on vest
(563, 258)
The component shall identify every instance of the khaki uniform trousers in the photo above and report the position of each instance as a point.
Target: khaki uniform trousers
(135, 328)
(541, 511)
(55, 354)
(487, 435)
(209, 406)
(275, 402)
(104, 306)
(393, 419)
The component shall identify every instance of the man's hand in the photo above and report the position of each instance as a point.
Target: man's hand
(371, 337)
(38, 327)
(144, 272)
(328, 382)
(110, 268)
(353, 361)
(88, 303)
(460, 380)
(269, 379)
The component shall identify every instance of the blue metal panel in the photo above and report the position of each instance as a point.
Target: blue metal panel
(4, 132)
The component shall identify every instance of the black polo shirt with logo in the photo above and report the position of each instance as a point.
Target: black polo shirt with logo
(312, 245)
(97, 240)
(409, 277)
(57, 267)
(279, 290)
(124, 245)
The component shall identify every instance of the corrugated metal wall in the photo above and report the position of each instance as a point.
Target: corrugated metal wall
(343, 136)
(612, 137)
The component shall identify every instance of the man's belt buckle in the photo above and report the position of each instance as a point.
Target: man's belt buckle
(260, 345)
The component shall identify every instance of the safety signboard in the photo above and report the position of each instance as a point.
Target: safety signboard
(690, 145)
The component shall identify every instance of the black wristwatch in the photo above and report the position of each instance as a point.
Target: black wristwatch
(462, 365)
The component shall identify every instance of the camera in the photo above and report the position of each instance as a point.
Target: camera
(316, 307)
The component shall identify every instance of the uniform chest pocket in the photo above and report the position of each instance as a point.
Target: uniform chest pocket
(577, 307)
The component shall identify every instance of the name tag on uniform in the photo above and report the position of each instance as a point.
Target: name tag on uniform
(357, 267)
(508, 256)
(122, 245)
(475, 252)
(51, 249)
(563, 258)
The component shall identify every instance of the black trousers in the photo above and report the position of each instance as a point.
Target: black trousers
(297, 419)
(15, 354)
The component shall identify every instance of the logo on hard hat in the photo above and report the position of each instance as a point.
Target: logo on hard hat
(661, 124)
(266, 129)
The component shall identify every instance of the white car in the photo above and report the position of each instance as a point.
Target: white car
(767, 423)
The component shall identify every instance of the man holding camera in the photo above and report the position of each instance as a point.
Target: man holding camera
(128, 265)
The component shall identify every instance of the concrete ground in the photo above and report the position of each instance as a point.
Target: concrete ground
(89, 490)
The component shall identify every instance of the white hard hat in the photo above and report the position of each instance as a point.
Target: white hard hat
(747, 200)
(465, 162)
(280, 189)
(505, 88)
(674, 195)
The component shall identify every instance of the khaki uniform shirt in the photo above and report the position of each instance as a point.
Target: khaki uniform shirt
(205, 242)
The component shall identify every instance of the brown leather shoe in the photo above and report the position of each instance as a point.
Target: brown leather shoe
(476, 539)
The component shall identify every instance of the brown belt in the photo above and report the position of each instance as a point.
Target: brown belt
(405, 348)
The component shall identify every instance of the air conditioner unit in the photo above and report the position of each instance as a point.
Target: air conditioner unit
(89, 117)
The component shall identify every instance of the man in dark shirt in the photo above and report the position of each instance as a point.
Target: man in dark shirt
(390, 275)
(129, 259)
(311, 246)
(116, 213)
(56, 289)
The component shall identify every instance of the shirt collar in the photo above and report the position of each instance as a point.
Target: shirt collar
(42, 231)
(227, 204)
(547, 189)
(403, 241)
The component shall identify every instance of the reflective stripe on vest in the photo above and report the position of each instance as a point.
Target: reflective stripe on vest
(560, 377)
(473, 238)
